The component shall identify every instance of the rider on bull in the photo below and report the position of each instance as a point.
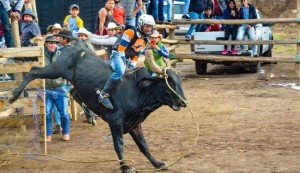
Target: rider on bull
(129, 47)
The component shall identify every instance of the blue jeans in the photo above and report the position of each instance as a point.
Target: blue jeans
(7, 27)
(131, 21)
(194, 15)
(56, 115)
(157, 9)
(251, 34)
(57, 97)
(186, 6)
(118, 64)
(169, 9)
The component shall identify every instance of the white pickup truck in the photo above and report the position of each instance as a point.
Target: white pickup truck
(263, 32)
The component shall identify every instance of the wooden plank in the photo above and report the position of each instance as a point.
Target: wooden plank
(222, 58)
(236, 22)
(21, 52)
(17, 67)
(17, 121)
(297, 64)
(6, 113)
(37, 83)
(165, 26)
(228, 42)
(15, 33)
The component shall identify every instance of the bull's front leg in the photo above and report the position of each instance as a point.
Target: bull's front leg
(116, 126)
(34, 73)
(138, 137)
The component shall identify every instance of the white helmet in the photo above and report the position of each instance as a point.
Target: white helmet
(145, 19)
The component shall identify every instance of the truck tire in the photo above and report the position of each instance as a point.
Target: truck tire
(201, 67)
(253, 68)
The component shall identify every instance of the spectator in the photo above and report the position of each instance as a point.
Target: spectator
(156, 9)
(158, 53)
(218, 8)
(73, 22)
(85, 36)
(105, 16)
(56, 93)
(64, 38)
(10, 9)
(131, 9)
(209, 27)
(107, 41)
(29, 28)
(230, 12)
(247, 11)
(54, 29)
(2, 41)
(119, 13)
(195, 12)
(185, 11)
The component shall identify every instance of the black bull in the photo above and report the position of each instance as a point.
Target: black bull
(134, 98)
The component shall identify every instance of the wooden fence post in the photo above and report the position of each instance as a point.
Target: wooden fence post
(297, 64)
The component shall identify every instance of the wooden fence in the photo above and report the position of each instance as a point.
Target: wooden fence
(293, 59)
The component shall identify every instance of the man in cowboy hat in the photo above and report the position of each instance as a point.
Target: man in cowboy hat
(156, 54)
(56, 92)
(85, 36)
(64, 37)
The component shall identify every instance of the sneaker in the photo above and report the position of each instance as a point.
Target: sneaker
(242, 51)
(66, 137)
(188, 38)
(224, 52)
(233, 52)
(256, 55)
(186, 16)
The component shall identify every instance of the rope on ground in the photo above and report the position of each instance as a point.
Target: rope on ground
(5, 162)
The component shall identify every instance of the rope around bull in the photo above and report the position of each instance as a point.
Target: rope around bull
(165, 76)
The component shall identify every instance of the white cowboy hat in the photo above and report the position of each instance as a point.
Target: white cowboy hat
(111, 25)
(155, 34)
(56, 26)
(85, 32)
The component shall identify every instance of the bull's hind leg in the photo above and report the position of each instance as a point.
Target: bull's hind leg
(138, 137)
(34, 73)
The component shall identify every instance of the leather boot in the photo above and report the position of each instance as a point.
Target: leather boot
(103, 97)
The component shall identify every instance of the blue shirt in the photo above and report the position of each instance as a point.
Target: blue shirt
(73, 26)
(246, 12)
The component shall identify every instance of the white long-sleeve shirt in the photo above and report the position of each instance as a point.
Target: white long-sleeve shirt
(8, 4)
(104, 40)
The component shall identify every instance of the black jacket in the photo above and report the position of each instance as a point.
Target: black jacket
(252, 13)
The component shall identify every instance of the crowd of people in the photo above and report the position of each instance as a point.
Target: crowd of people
(125, 32)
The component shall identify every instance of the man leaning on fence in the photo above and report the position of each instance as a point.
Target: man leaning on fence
(56, 93)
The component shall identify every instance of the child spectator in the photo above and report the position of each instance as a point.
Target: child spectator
(158, 53)
(29, 28)
(230, 12)
(209, 27)
(73, 22)
(106, 41)
(85, 36)
(119, 13)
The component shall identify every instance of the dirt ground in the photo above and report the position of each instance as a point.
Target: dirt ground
(246, 125)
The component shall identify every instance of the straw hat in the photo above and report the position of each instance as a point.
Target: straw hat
(85, 32)
(155, 34)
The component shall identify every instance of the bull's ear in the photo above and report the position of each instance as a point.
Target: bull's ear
(145, 83)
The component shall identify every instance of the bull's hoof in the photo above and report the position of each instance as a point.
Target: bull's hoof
(127, 169)
(163, 167)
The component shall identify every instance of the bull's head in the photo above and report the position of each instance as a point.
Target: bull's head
(168, 89)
